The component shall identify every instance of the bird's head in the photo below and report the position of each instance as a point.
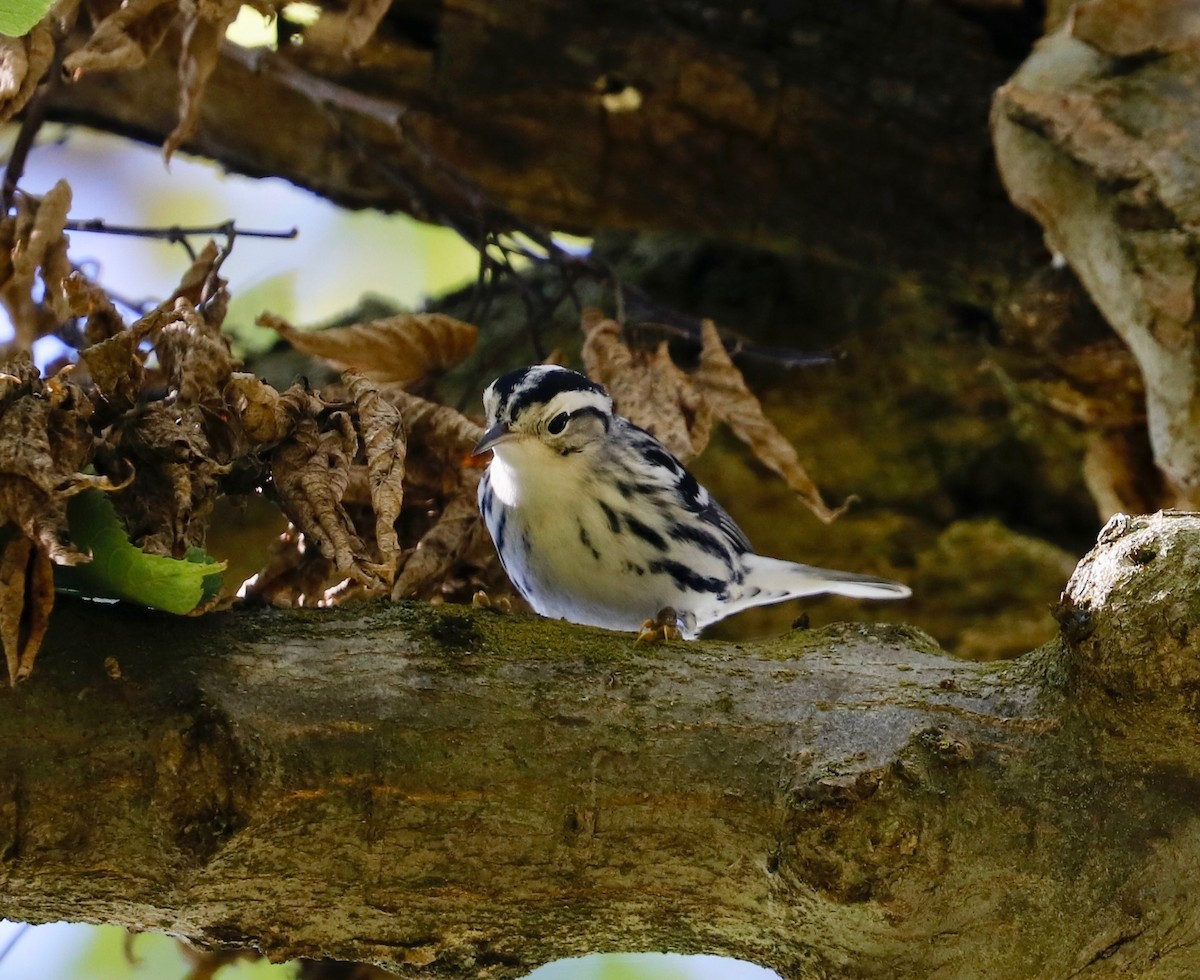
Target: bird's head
(545, 406)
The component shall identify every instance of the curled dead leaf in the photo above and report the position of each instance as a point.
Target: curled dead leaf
(310, 471)
(85, 298)
(17, 377)
(1134, 28)
(400, 349)
(194, 356)
(26, 599)
(441, 428)
(200, 280)
(268, 415)
(40, 516)
(39, 603)
(23, 63)
(45, 444)
(724, 389)
(176, 475)
(114, 366)
(205, 23)
(294, 575)
(456, 532)
(124, 38)
(386, 448)
(38, 244)
(14, 562)
(647, 387)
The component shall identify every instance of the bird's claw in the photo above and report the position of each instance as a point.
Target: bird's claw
(481, 600)
(662, 629)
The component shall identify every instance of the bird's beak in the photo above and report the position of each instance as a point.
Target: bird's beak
(492, 438)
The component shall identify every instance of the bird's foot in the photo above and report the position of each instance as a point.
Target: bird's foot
(481, 600)
(661, 629)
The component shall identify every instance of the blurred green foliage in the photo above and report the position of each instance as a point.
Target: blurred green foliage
(18, 16)
(114, 955)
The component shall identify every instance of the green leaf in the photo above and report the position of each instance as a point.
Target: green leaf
(18, 16)
(118, 570)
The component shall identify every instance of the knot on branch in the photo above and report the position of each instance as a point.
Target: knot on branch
(1130, 614)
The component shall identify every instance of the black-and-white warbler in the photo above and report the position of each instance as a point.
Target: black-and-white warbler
(597, 523)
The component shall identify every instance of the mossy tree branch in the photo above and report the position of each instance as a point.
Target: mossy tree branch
(474, 794)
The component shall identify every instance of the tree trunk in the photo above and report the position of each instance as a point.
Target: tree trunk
(474, 794)
(1096, 138)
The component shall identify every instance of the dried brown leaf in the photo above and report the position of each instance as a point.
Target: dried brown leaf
(180, 446)
(216, 305)
(454, 534)
(724, 389)
(477, 561)
(438, 427)
(85, 298)
(400, 349)
(647, 387)
(39, 602)
(56, 267)
(191, 286)
(23, 62)
(47, 217)
(386, 448)
(205, 23)
(14, 66)
(125, 38)
(197, 282)
(176, 477)
(114, 366)
(194, 356)
(344, 32)
(38, 243)
(45, 443)
(14, 563)
(310, 471)
(18, 375)
(268, 415)
(294, 575)
(40, 516)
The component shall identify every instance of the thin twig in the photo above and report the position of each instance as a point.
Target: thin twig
(212, 281)
(176, 233)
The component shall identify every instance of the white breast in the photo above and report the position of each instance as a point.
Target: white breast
(560, 548)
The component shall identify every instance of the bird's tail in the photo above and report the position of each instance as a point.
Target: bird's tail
(771, 580)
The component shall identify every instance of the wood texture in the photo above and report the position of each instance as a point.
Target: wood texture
(472, 795)
(1096, 136)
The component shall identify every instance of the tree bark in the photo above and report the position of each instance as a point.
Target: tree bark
(851, 132)
(1095, 137)
(466, 794)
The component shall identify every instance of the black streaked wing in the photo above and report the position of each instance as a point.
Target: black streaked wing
(661, 467)
(713, 512)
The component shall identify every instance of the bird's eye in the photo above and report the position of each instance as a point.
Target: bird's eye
(557, 424)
